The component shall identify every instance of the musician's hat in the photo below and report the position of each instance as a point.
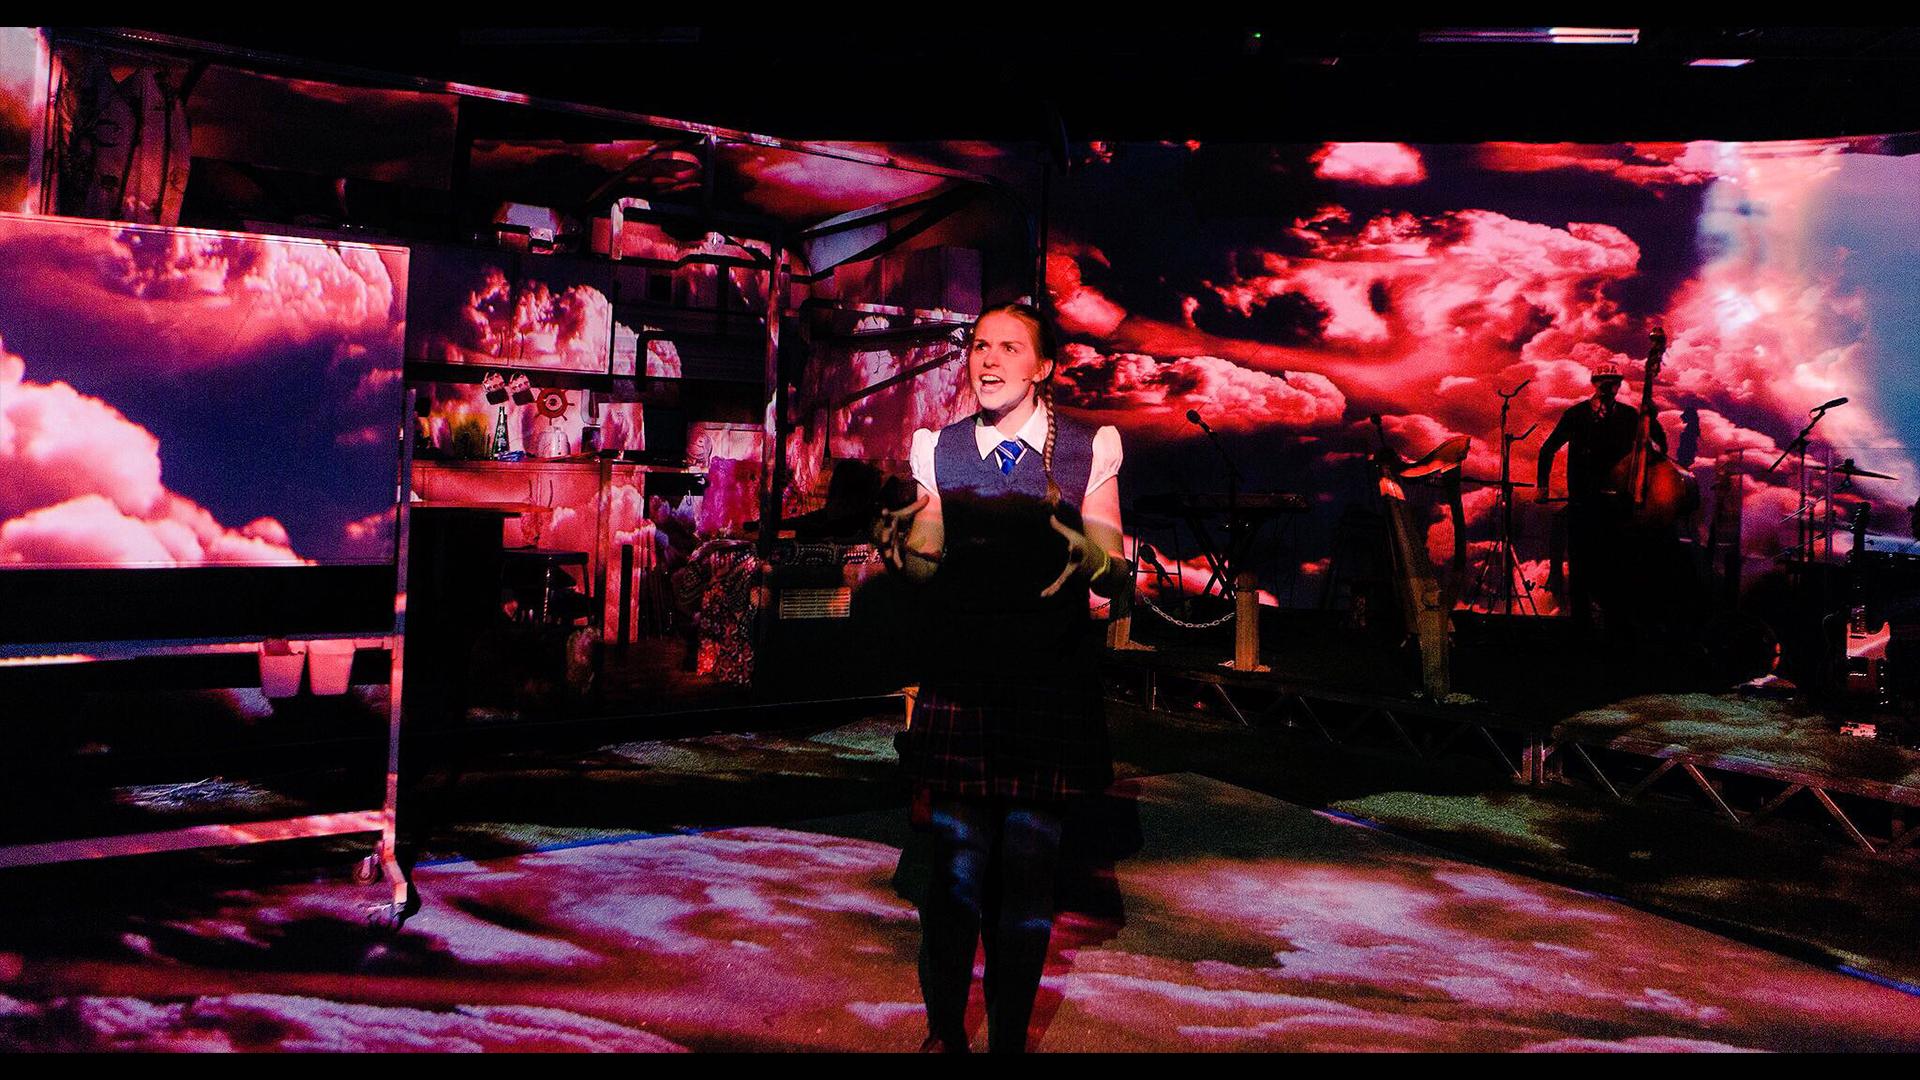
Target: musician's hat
(1605, 370)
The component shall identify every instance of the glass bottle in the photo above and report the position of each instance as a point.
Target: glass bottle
(500, 434)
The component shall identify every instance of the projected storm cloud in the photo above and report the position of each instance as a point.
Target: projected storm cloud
(1288, 293)
(1416, 282)
(174, 397)
(471, 308)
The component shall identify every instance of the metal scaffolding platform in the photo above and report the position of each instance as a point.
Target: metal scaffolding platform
(1875, 816)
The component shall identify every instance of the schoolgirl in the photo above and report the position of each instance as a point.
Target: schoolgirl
(1017, 517)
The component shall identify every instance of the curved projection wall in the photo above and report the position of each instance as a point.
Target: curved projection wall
(1289, 292)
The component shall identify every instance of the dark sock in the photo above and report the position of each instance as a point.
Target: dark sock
(950, 919)
(1029, 849)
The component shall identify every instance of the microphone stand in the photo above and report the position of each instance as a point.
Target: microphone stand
(1233, 501)
(1239, 582)
(1804, 543)
(1803, 548)
(1505, 554)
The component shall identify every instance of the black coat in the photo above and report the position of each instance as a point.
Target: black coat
(1596, 443)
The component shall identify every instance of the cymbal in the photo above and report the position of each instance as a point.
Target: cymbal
(1492, 483)
(1848, 468)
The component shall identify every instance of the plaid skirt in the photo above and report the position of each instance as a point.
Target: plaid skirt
(993, 740)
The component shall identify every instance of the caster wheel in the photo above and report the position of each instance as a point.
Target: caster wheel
(367, 870)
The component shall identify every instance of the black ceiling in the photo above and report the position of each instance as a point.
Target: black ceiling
(1275, 82)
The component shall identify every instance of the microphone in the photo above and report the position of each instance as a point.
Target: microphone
(1834, 404)
(1146, 554)
(1233, 472)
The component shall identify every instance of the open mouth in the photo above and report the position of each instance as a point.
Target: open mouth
(988, 382)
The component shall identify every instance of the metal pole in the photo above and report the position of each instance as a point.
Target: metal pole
(772, 454)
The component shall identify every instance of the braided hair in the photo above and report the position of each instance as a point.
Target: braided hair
(1045, 346)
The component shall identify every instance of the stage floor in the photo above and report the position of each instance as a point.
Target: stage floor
(1210, 918)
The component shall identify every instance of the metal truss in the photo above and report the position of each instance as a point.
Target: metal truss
(1872, 815)
(1423, 730)
(1876, 817)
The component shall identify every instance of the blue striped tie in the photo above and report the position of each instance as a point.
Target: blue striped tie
(1009, 452)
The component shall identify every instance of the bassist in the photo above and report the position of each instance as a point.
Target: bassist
(1599, 432)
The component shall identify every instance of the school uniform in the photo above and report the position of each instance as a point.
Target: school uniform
(1009, 704)
(1008, 725)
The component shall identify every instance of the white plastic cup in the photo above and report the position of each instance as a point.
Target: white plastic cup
(332, 664)
(281, 665)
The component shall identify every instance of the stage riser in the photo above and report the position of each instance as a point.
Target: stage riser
(1878, 819)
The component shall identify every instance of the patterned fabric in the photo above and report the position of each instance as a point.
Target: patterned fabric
(990, 740)
(724, 572)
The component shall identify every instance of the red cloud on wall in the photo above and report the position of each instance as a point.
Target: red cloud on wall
(1774, 349)
(791, 183)
(1423, 316)
(1771, 326)
(1557, 384)
(573, 325)
(377, 526)
(1720, 436)
(1450, 307)
(1079, 307)
(1652, 165)
(1460, 293)
(1182, 577)
(1156, 394)
(1372, 163)
(1411, 434)
(877, 426)
(83, 488)
(257, 293)
(57, 443)
(208, 299)
(90, 531)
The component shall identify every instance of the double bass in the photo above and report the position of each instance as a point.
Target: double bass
(1653, 492)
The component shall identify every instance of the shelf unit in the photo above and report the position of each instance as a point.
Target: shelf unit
(82, 664)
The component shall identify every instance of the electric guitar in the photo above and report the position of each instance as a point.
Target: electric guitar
(1866, 657)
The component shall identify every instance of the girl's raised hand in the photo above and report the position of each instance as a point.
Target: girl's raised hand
(1084, 557)
(890, 531)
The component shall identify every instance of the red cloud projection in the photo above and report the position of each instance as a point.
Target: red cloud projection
(83, 488)
(57, 444)
(1462, 284)
(204, 300)
(1166, 578)
(572, 325)
(1652, 165)
(877, 426)
(1376, 164)
(1153, 394)
(811, 187)
(1405, 302)
(569, 328)
(1080, 308)
(1770, 266)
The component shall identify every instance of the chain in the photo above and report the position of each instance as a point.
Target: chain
(1181, 623)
